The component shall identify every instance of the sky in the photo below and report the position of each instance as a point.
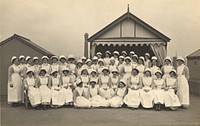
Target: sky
(59, 25)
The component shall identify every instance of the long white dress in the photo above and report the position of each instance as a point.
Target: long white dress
(66, 89)
(104, 90)
(127, 71)
(15, 92)
(80, 100)
(44, 90)
(171, 99)
(132, 99)
(147, 97)
(85, 80)
(158, 91)
(120, 68)
(58, 97)
(117, 100)
(33, 93)
(141, 69)
(166, 70)
(95, 99)
(183, 86)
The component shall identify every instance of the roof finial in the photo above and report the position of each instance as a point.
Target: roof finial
(128, 8)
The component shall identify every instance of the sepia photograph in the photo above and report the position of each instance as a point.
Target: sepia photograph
(99, 63)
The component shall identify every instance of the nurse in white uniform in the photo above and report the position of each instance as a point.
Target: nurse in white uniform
(44, 88)
(116, 99)
(171, 99)
(107, 58)
(146, 93)
(154, 68)
(132, 99)
(15, 86)
(183, 86)
(127, 68)
(80, 100)
(158, 89)
(95, 98)
(31, 85)
(45, 64)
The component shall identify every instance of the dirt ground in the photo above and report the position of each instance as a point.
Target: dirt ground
(20, 116)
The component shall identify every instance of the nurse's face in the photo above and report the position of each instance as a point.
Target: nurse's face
(22, 61)
(93, 74)
(172, 74)
(112, 62)
(121, 85)
(140, 61)
(85, 72)
(101, 63)
(154, 62)
(42, 73)
(89, 63)
(79, 64)
(54, 60)
(147, 74)
(167, 62)
(158, 75)
(105, 72)
(30, 74)
(30, 61)
(16, 62)
(66, 72)
(94, 61)
(134, 72)
(121, 60)
(83, 60)
(36, 62)
(62, 60)
(127, 61)
(107, 55)
(44, 61)
(180, 62)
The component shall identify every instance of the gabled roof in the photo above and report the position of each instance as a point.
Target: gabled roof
(27, 42)
(194, 55)
(136, 19)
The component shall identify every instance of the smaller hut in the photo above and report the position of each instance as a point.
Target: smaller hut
(194, 66)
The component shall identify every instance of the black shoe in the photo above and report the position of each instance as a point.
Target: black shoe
(44, 107)
(159, 107)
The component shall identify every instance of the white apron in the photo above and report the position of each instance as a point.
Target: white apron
(117, 101)
(105, 90)
(80, 100)
(158, 92)
(183, 86)
(171, 99)
(96, 100)
(15, 93)
(132, 99)
(66, 89)
(33, 93)
(58, 97)
(44, 90)
(147, 97)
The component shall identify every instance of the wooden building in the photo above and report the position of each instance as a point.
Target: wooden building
(128, 33)
(15, 46)
(193, 62)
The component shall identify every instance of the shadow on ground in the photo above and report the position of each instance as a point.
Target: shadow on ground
(99, 117)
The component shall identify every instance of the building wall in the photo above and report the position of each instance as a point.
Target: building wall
(7, 50)
(194, 81)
